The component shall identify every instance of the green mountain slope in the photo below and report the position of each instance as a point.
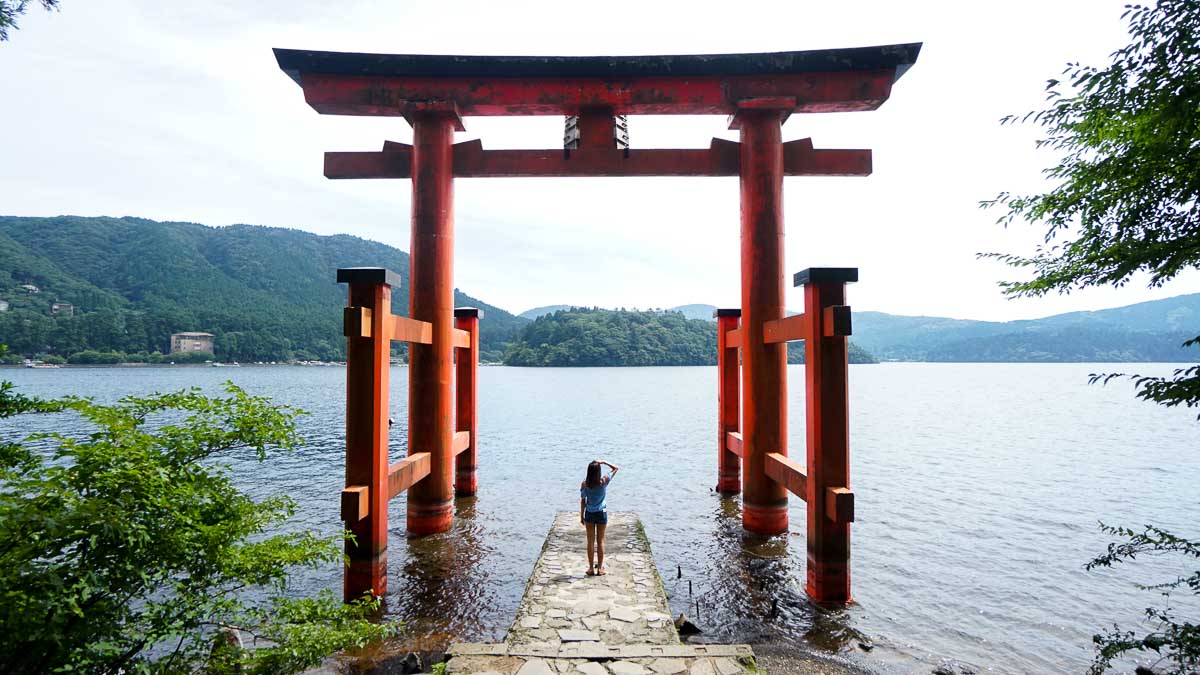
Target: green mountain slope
(266, 293)
(602, 337)
(1147, 331)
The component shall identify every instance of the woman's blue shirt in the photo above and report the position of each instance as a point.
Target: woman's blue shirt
(594, 496)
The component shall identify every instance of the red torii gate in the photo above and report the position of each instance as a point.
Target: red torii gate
(758, 92)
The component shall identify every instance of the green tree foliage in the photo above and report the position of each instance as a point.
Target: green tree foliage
(11, 9)
(601, 337)
(1180, 640)
(1124, 201)
(266, 294)
(125, 550)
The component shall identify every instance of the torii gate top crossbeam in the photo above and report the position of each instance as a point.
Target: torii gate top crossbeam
(828, 80)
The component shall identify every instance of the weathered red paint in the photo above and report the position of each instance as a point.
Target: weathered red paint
(764, 374)
(367, 442)
(828, 447)
(728, 463)
(847, 91)
(597, 129)
(431, 298)
(722, 158)
(466, 373)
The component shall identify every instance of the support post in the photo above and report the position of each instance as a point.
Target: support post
(764, 365)
(466, 371)
(729, 480)
(431, 299)
(367, 363)
(828, 437)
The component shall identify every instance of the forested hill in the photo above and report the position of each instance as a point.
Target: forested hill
(268, 294)
(1147, 331)
(602, 337)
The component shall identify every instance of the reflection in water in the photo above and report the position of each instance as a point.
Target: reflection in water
(442, 590)
(755, 592)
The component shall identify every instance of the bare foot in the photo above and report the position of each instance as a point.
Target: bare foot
(601, 570)
(591, 572)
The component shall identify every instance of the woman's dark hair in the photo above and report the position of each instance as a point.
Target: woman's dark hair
(593, 475)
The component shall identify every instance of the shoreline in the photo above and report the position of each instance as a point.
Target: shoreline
(18, 366)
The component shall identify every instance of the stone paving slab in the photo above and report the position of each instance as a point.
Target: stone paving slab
(615, 624)
(599, 651)
(562, 604)
(516, 665)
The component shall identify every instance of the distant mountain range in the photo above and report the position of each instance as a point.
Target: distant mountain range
(123, 285)
(1147, 331)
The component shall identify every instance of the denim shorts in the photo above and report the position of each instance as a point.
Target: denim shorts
(596, 517)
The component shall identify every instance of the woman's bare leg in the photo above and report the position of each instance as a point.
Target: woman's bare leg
(591, 546)
(600, 547)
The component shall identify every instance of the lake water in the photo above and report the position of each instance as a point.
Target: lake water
(978, 491)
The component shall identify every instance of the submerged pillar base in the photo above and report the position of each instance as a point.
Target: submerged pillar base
(365, 576)
(729, 484)
(828, 581)
(465, 484)
(766, 520)
(429, 518)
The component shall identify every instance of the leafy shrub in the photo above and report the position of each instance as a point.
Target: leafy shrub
(93, 357)
(126, 550)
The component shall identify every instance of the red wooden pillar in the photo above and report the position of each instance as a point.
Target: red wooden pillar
(764, 366)
(367, 363)
(830, 503)
(431, 299)
(728, 406)
(466, 371)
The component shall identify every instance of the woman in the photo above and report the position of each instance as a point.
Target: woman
(592, 513)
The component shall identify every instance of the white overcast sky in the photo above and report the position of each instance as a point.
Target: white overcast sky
(178, 111)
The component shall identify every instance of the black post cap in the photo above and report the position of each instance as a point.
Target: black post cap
(468, 313)
(368, 276)
(719, 313)
(826, 275)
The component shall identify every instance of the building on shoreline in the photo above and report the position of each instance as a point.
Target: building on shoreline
(191, 342)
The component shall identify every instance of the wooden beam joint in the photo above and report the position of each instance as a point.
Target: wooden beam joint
(356, 322)
(733, 339)
(405, 329)
(787, 329)
(356, 503)
(462, 441)
(837, 321)
(733, 442)
(839, 505)
(405, 473)
(787, 473)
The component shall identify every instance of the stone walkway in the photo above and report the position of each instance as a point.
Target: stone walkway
(617, 623)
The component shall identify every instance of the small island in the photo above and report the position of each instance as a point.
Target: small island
(580, 336)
